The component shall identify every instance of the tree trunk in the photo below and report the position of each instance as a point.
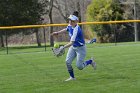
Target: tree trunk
(66, 12)
(79, 10)
(38, 38)
(1, 40)
(51, 22)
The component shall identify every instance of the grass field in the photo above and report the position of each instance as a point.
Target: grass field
(118, 71)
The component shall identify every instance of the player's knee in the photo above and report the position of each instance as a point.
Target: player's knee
(79, 64)
(80, 67)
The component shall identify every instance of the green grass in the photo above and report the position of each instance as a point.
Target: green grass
(40, 72)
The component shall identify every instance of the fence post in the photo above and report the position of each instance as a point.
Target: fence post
(115, 35)
(6, 42)
(44, 37)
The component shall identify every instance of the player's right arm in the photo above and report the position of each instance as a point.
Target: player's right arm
(59, 32)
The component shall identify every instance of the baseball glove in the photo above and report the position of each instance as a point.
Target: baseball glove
(58, 51)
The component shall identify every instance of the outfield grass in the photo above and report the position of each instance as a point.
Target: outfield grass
(118, 71)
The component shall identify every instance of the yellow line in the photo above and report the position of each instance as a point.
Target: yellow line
(109, 22)
(31, 26)
(83, 23)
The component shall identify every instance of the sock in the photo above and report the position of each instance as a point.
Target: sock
(71, 73)
(88, 62)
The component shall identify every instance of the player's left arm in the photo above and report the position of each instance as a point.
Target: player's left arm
(59, 32)
(75, 33)
(62, 48)
(69, 44)
(73, 38)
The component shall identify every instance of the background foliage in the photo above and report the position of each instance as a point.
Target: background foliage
(109, 10)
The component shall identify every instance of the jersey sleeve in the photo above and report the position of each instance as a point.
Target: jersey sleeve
(75, 33)
(67, 28)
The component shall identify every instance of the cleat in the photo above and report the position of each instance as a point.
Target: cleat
(93, 64)
(69, 79)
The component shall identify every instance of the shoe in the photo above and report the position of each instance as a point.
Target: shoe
(93, 64)
(69, 79)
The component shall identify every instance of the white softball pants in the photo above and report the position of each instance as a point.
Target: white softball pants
(76, 52)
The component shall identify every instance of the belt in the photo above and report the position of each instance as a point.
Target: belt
(78, 46)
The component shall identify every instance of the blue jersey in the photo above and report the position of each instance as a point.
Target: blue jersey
(76, 35)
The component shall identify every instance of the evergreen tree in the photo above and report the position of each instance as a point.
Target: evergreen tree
(19, 12)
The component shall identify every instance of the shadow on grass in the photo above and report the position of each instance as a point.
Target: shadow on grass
(27, 47)
(21, 49)
(1, 49)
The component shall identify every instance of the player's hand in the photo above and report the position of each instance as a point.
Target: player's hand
(58, 51)
(61, 48)
(54, 33)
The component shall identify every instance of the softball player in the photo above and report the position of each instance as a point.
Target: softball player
(77, 48)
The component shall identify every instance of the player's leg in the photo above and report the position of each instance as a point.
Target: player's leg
(81, 53)
(70, 57)
(91, 62)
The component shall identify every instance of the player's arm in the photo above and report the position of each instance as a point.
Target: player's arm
(62, 48)
(59, 32)
(75, 32)
(69, 44)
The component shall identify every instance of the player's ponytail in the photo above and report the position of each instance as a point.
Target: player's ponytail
(76, 13)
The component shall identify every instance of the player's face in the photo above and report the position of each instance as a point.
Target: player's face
(73, 23)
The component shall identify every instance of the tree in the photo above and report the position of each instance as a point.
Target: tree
(67, 7)
(20, 12)
(1, 39)
(51, 22)
(132, 11)
(109, 10)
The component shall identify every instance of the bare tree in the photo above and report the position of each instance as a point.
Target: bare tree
(62, 7)
(51, 22)
(66, 7)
